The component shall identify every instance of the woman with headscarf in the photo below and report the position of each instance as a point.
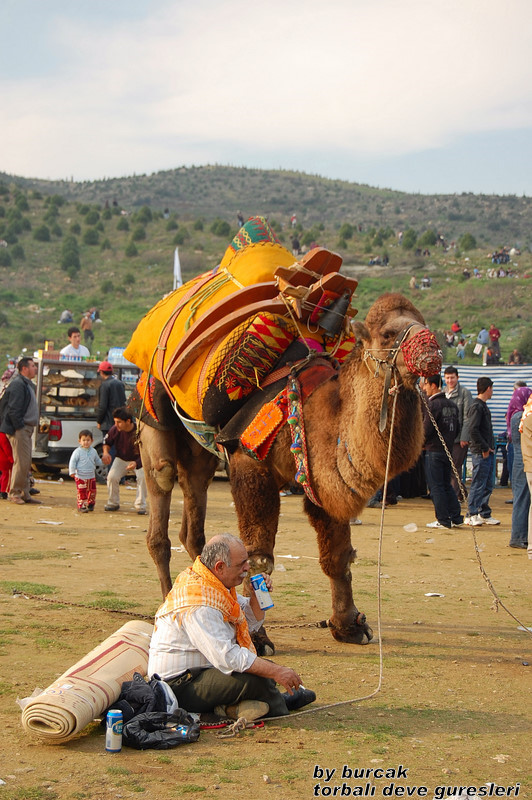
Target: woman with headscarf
(517, 401)
(520, 488)
(525, 429)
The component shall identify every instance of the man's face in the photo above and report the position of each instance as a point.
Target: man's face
(123, 424)
(30, 371)
(451, 379)
(234, 574)
(75, 339)
(489, 392)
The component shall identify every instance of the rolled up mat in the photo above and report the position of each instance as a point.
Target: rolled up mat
(85, 690)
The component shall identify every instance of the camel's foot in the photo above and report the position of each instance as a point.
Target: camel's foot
(263, 644)
(354, 631)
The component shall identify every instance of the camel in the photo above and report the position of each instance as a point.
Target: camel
(347, 453)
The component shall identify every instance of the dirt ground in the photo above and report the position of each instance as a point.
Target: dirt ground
(454, 709)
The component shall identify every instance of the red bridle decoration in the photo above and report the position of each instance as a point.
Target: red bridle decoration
(422, 354)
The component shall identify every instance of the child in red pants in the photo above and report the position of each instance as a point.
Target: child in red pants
(81, 467)
(6, 463)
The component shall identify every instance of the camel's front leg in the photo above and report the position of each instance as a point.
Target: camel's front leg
(336, 556)
(195, 470)
(158, 453)
(257, 504)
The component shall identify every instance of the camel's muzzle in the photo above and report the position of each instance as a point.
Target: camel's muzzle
(421, 353)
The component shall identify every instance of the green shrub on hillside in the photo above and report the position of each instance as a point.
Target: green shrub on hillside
(21, 203)
(139, 233)
(409, 239)
(56, 230)
(26, 224)
(106, 213)
(75, 228)
(2, 211)
(131, 251)
(143, 215)
(91, 236)
(467, 242)
(525, 345)
(106, 245)
(427, 239)
(70, 254)
(129, 279)
(4, 190)
(106, 287)
(220, 228)
(179, 239)
(346, 231)
(92, 217)
(198, 225)
(83, 209)
(5, 258)
(17, 252)
(122, 224)
(4, 322)
(42, 233)
(171, 225)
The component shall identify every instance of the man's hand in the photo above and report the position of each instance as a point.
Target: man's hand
(464, 444)
(284, 675)
(106, 458)
(486, 453)
(132, 465)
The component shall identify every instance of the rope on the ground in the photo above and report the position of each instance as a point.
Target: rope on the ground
(498, 601)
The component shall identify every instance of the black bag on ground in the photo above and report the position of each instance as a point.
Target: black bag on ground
(157, 730)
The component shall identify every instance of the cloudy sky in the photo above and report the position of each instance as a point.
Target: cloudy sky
(418, 95)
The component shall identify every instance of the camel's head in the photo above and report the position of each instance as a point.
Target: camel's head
(394, 332)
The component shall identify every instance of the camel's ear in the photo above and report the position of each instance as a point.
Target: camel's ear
(361, 332)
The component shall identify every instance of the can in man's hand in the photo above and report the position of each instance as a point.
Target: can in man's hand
(261, 592)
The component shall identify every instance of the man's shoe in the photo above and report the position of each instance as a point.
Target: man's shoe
(490, 521)
(111, 508)
(142, 512)
(18, 500)
(374, 504)
(33, 501)
(34, 491)
(355, 521)
(457, 524)
(250, 709)
(436, 524)
(474, 520)
(520, 545)
(301, 697)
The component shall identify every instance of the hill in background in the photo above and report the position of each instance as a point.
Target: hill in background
(110, 244)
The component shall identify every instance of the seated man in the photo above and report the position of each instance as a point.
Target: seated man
(201, 644)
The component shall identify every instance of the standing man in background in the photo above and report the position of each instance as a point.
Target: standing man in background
(463, 399)
(111, 395)
(19, 416)
(482, 442)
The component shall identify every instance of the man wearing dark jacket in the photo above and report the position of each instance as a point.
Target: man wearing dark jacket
(437, 462)
(122, 437)
(482, 446)
(20, 415)
(111, 395)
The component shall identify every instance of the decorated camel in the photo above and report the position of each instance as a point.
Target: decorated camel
(324, 425)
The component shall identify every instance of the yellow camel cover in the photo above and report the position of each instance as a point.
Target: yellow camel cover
(250, 261)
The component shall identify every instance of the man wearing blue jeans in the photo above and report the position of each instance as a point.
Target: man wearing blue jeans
(444, 415)
(482, 446)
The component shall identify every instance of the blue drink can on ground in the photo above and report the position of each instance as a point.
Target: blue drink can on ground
(261, 592)
(113, 731)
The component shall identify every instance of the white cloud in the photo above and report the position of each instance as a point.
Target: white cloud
(193, 81)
